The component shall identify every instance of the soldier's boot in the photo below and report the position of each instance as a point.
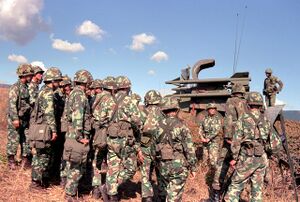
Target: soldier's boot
(63, 182)
(114, 198)
(25, 164)
(147, 199)
(162, 198)
(96, 193)
(36, 187)
(215, 197)
(103, 191)
(71, 198)
(11, 162)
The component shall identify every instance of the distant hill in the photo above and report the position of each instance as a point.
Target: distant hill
(4, 85)
(292, 115)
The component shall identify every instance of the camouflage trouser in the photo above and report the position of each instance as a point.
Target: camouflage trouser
(16, 137)
(64, 167)
(74, 173)
(98, 178)
(211, 152)
(270, 100)
(252, 168)
(147, 189)
(222, 166)
(40, 163)
(120, 168)
(174, 175)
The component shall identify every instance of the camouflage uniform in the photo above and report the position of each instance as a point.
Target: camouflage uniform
(176, 153)
(235, 107)
(272, 86)
(154, 116)
(33, 86)
(103, 110)
(249, 143)
(211, 128)
(136, 98)
(45, 106)
(79, 129)
(18, 110)
(121, 157)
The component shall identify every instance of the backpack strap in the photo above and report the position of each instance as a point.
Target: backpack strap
(257, 121)
(116, 108)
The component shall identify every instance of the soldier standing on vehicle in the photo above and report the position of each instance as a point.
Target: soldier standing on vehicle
(250, 142)
(235, 107)
(272, 86)
(175, 152)
(210, 130)
(76, 146)
(34, 84)
(18, 116)
(44, 113)
(152, 100)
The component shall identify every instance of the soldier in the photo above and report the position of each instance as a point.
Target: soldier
(18, 116)
(95, 88)
(210, 130)
(176, 152)
(152, 100)
(103, 109)
(34, 84)
(235, 107)
(272, 86)
(44, 113)
(76, 146)
(249, 145)
(123, 145)
(136, 98)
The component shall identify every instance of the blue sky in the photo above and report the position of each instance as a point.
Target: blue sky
(121, 37)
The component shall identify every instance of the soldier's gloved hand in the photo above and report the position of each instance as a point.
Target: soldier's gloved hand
(16, 124)
(84, 141)
(54, 136)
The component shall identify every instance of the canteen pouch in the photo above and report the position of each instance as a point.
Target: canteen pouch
(100, 138)
(39, 135)
(75, 152)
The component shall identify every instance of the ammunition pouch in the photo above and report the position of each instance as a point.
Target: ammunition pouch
(254, 149)
(120, 129)
(39, 135)
(64, 125)
(146, 140)
(75, 152)
(100, 138)
(165, 151)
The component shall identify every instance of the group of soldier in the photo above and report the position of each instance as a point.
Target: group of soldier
(64, 126)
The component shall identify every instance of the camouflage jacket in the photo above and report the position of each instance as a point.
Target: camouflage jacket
(246, 131)
(234, 109)
(65, 111)
(153, 117)
(103, 108)
(79, 114)
(33, 88)
(210, 127)
(272, 85)
(180, 135)
(19, 101)
(45, 106)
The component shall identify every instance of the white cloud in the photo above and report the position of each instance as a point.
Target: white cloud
(165, 91)
(279, 102)
(139, 41)
(151, 72)
(90, 29)
(113, 51)
(17, 58)
(21, 20)
(40, 64)
(66, 46)
(159, 56)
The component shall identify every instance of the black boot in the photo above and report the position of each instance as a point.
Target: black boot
(11, 162)
(114, 198)
(26, 164)
(103, 191)
(36, 186)
(71, 198)
(215, 196)
(96, 192)
(63, 182)
(147, 199)
(162, 198)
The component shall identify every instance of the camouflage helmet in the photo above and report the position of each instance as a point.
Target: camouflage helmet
(152, 97)
(211, 106)
(83, 76)
(135, 96)
(123, 82)
(268, 71)
(109, 83)
(97, 83)
(37, 69)
(238, 88)
(24, 70)
(255, 98)
(52, 74)
(66, 80)
(168, 103)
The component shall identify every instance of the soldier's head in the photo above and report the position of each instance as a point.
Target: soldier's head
(38, 74)
(238, 90)
(211, 109)
(255, 100)
(268, 72)
(136, 99)
(52, 77)
(169, 106)
(152, 97)
(66, 84)
(83, 78)
(123, 83)
(25, 72)
(96, 86)
(109, 84)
